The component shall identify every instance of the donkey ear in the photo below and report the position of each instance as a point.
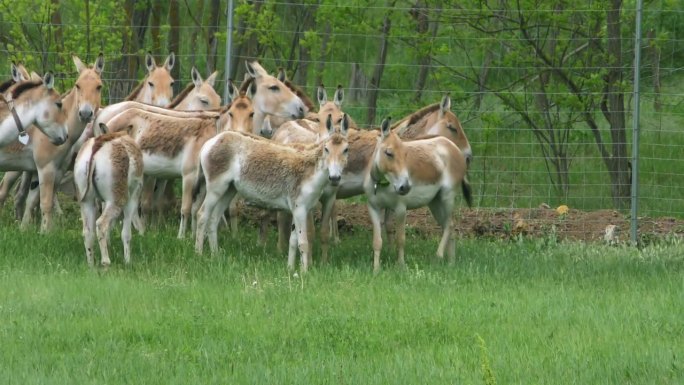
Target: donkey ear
(251, 91)
(24, 73)
(99, 64)
(344, 126)
(49, 80)
(150, 63)
(250, 69)
(35, 77)
(445, 104)
(339, 96)
(196, 77)
(103, 128)
(385, 127)
(321, 95)
(79, 64)
(211, 80)
(232, 91)
(282, 75)
(16, 76)
(329, 124)
(170, 61)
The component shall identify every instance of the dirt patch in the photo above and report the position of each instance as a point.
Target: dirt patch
(589, 226)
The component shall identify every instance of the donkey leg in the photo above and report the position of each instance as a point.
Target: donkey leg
(46, 176)
(88, 215)
(264, 222)
(103, 224)
(146, 198)
(8, 181)
(233, 215)
(374, 213)
(328, 216)
(332, 219)
(400, 222)
(22, 195)
(284, 229)
(186, 205)
(130, 214)
(299, 216)
(221, 205)
(441, 209)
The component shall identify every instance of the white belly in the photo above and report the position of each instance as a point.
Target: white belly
(162, 166)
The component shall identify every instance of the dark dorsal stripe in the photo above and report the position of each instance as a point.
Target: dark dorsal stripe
(180, 97)
(242, 105)
(4, 86)
(244, 87)
(136, 91)
(24, 86)
(420, 114)
(297, 91)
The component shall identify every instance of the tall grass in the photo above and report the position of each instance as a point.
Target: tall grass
(533, 310)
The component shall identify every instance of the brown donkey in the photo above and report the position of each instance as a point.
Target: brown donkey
(270, 175)
(108, 168)
(412, 174)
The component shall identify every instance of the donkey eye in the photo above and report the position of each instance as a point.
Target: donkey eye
(150, 83)
(204, 101)
(59, 104)
(251, 114)
(230, 114)
(346, 151)
(452, 128)
(274, 88)
(99, 88)
(78, 87)
(326, 150)
(172, 83)
(389, 153)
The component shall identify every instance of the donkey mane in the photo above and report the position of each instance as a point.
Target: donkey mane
(24, 86)
(297, 91)
(182, 95)
(420, 114)
(136, 91)
(103, 139)
(4, 86)
(244, 87)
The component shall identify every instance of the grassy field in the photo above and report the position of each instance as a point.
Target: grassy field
(525, 312)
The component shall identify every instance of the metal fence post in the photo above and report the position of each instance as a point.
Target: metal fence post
(229, 47)
(634, 222)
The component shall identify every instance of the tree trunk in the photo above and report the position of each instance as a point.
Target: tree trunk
(324, 48)
(56, 21)
(174, 42)
(424, 28)
(212, 41)
(655, 59)
(196, 32)
(157, 13)
(374, 86)
(614, 110)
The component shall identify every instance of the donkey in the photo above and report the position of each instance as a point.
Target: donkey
(435, 119)
(157, 87)
(48, 159)
(108, 168)
(170, 147)
(411, 174)
(29, 103)
(198, 95)
(240, 111)
(270, 175)
(271, 97)
(311, 130)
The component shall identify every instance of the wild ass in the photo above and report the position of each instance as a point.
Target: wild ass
(170, 147)
(411, 174)
(157, 87)
(49, 159)
(240, 111)
(29, 103)
(271, 97)
(108, 168)
(270, 175)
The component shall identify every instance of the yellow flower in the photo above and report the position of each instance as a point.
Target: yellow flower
(562, 209)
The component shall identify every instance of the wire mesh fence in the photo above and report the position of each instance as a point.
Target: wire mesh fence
(544, 92)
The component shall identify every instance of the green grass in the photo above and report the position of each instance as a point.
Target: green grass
(525, 312)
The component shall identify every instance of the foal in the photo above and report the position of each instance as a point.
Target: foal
(108, 168)
(270, 175)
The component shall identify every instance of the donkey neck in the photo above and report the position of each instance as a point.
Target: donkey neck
(8, 128)
(74, 124)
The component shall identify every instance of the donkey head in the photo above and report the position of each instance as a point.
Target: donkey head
(336, 149)
(158, 87)
(272, 96)
(88, 87)
(389, 160)
(448, 125)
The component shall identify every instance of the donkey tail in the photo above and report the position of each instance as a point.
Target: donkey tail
(199, 182)
(467, 191)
